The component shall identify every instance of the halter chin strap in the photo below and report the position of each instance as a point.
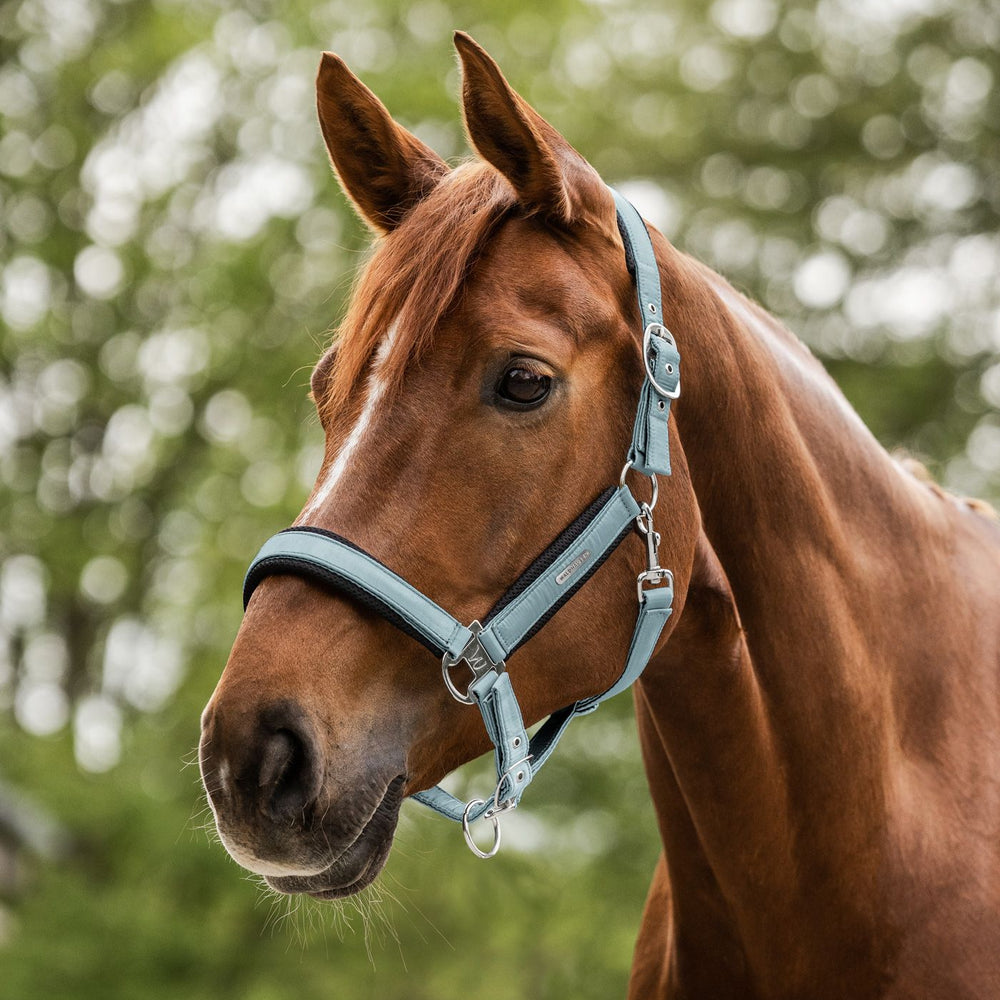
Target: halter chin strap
(481, 649)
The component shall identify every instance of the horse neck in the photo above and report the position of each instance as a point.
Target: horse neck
(802, 509)
(764, 714)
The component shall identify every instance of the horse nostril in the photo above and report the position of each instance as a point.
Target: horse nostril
(287, 776)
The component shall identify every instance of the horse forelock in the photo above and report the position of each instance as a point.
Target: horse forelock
(414, 277)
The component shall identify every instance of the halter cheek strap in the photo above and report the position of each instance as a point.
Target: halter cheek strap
(650, 451)
(481, 649)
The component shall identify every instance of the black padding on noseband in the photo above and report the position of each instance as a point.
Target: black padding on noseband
(545, 560)
(327, 577)
(292, 566)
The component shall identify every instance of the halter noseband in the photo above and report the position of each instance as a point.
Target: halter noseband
(541, 589)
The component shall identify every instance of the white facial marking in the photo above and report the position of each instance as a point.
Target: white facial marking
(376, 390)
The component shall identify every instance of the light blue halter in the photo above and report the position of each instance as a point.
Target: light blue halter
(538, 593)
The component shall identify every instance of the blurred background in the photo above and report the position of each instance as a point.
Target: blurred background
(174, 253)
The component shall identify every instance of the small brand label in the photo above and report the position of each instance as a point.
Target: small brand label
(476, 657)
(573, 566)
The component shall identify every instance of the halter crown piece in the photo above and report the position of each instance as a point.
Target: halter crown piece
(551, 580)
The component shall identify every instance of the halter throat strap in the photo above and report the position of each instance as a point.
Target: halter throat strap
(481, 649)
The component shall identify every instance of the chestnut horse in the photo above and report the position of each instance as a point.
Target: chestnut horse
(819, 721)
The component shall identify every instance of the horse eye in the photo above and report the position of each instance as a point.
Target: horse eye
(523, 387)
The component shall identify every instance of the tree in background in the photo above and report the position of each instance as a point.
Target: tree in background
(173, 253)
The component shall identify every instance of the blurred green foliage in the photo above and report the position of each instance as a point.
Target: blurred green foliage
(173, 255)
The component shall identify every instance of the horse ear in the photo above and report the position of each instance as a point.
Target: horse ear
(320, 377)
(383, 169)
(548, 174)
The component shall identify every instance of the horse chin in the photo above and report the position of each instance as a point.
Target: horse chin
(339, 880)
(359, 864)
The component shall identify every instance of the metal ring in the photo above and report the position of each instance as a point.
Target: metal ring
(668, 336)
(473, 846)
(652, 479)
(446, 664)
(475, 657)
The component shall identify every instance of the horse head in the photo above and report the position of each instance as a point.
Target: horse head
(479, 397)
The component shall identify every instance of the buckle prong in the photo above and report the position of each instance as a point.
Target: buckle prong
(510, 803)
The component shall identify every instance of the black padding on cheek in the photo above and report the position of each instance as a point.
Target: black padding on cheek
(583, 578)
(629, 253)
(546, 559)
(325, 577)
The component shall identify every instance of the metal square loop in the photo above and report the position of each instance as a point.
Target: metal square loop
(653, 577)
(478, 661)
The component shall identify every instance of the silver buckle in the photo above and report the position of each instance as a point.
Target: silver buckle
(652, 576)
(658, 330)
(511, 803)
(478, 661)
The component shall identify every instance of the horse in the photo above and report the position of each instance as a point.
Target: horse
(819, 717)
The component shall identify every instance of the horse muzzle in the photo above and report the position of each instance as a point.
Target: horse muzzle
(278, 811)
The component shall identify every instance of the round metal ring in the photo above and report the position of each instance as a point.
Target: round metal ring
(653, 480)
(473, 846)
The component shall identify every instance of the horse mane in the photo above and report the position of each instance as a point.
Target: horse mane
(913, 467)
(415, 275)
(920, 472)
